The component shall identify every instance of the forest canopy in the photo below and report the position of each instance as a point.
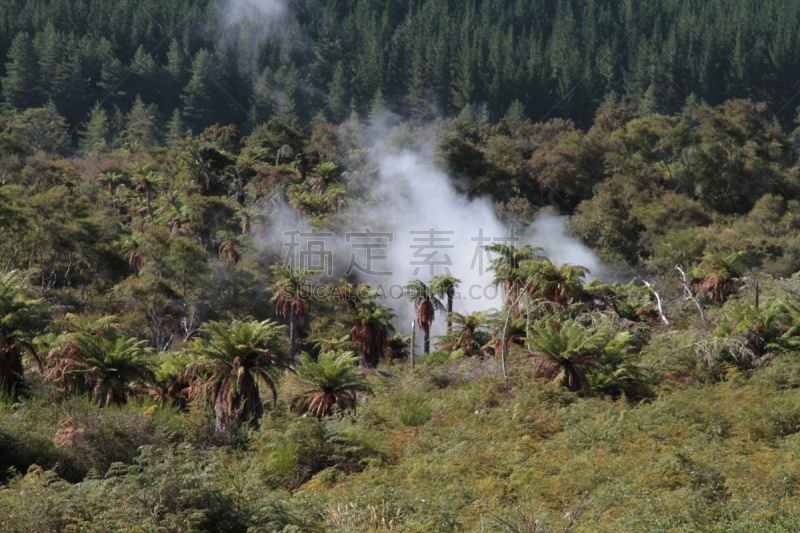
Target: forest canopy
(194, 64)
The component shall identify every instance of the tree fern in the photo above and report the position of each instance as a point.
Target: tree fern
(333, 380)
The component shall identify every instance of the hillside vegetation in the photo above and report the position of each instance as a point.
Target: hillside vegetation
(164, 366)
(143, 329)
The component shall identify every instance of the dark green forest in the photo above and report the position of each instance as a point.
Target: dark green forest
(163, 367)
(180, 65)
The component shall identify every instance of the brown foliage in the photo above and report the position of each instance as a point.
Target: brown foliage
(370, 338)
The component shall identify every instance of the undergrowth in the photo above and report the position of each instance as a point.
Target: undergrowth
(448, 446)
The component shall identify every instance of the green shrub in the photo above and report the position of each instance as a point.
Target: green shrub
(289, 457)
(72, 436)
(166, 489)
(414, 414)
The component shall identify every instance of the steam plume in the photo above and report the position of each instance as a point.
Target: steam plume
(427, 229)
(252, 13)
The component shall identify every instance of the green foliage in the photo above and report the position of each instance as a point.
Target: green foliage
(164, 255)
(422, 457)
(630, 301)
(21, 85)
(232, 361)
(508, 268)
(561, 285)
(333, 380)
(370, 322)
(19, 320)
(191, 489)
(73, 437)
(426, 303)
(606, 221)
(307, 446)
(468, 334)
(716, 276)
(292, 299)
(96, 358)
(566, 349)
(141, 125)
(188, 262)
(736, 156)
(97, 130)
(520, 59)
(622, 375)
(40, 128)
(414, 414)
(445, 287)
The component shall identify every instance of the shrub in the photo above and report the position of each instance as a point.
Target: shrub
(291, 456)
(414, 414)
(166, 489)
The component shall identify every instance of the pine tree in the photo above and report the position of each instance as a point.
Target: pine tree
(176, 64)
(463, 83)
(418, 96)
(175, 76)
(287, 84)
(650, 103)
(378, 104)
(97, 130)
(200, 93)
(688, 111)
(117, 123)
(261, 105)
(94, 53)
(112, 79)
(50, 48)
(337, 91)
(21, 84)
(141, 124)
(145, 77)
(233, 90)
(69, 89)
(515, 115)
(176, 129)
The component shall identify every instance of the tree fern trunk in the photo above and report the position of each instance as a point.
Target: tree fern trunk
(450, 309)
(293, 329)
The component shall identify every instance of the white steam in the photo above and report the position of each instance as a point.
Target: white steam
(550, 234)
(252, 13)
(248, 24)
(436, 230)
(428, 229)
(419, 206)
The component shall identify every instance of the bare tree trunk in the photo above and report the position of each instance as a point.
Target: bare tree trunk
(687, 293)
(504, 345)
(659, 307)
